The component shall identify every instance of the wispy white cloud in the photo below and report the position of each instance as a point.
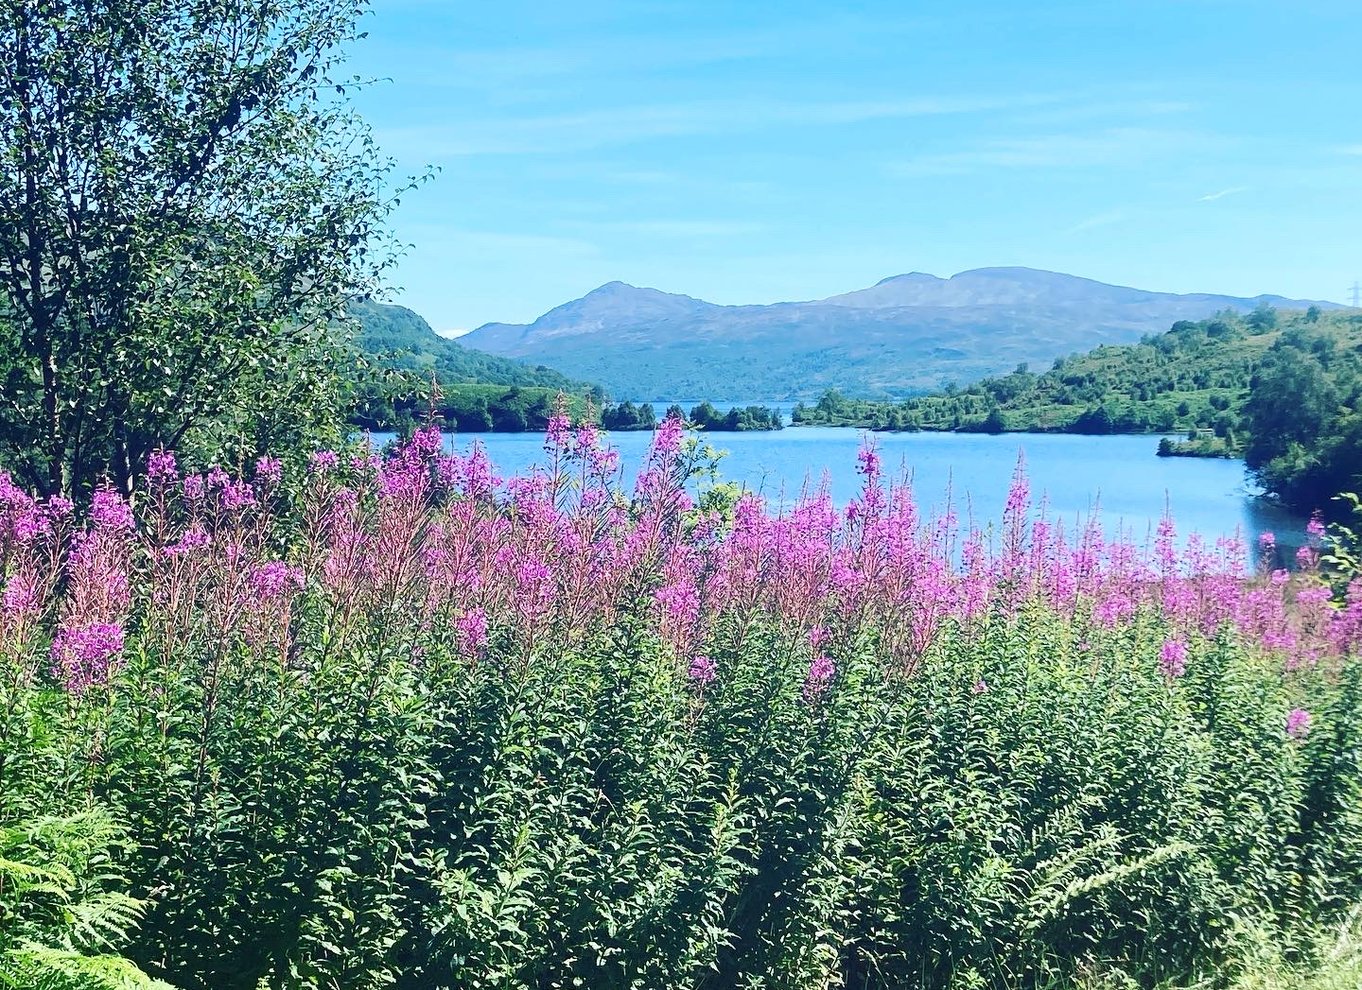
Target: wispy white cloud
(681, 228)
(1351, 149)
(590, 129)
(1232, 191)
(1111, 146)
(1103, 109)
(450, 240)
(512, 71)
(1104, 219)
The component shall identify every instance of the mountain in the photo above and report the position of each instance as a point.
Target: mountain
(906, 334)
(401, 339)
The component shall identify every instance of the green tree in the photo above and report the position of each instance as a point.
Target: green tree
(1290, 401)
(186, 201)
(1262, 319)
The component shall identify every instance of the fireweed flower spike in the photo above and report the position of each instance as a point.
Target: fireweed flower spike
(471, 628)
(194, 488)
(161, 468)
(324, 462)
(269, 471)
(110, 511)
(1298, 723)
(702, 670)
(667, 439)
(84, 656)
(275, 580)
(1173, 658)
(821, 672)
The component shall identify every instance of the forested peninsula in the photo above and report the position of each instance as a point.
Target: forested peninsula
(1281, 389)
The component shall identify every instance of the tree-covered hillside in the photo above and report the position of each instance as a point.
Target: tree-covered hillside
(411, 371)
(1281, 389)
(403, 340)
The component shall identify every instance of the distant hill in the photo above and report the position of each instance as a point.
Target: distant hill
(906, 335)
(401, 339)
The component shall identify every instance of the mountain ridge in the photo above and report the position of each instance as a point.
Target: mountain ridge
(904, 334)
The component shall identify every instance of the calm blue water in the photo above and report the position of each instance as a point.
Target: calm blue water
(1119, 476)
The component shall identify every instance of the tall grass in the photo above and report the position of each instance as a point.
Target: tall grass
(401, 722)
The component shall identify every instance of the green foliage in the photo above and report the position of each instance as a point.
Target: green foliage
(1304, 418)
(1342, 559)
(468, 408)
(63, 915)
(581, 816)
(627, 416)
(186, 200)
(739, 419)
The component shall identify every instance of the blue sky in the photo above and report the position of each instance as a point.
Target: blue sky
(762, 151)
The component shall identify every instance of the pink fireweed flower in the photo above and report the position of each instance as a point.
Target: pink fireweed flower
(20, 599)
(604, 461)
(532, 573)
(275, 581)
(426, 443)
(471, 629)
(59, 508)
(1267, 540)
(1298, 723)
(817, 637)
(821, 672)
(110, 512)
(702, 670)
(269, 470)
(236, 495)
(979, 687)
(679, 604)
(323, 462)
(1315, 527)
(1307, 558)
(868, 461)
(667, 438)
(1316, 594)
(1173, 658)
(162, 469)
(587, 437)
(402, 478)
(478, 478)
(1020, 491)
(558, 433)
(194, 487)
(30, 525)
(84, 656)
(217, 478)
(194, 538)
(365, 464)
(1281, 576)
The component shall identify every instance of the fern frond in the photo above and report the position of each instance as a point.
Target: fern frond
(102, 919)
(41, 967)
